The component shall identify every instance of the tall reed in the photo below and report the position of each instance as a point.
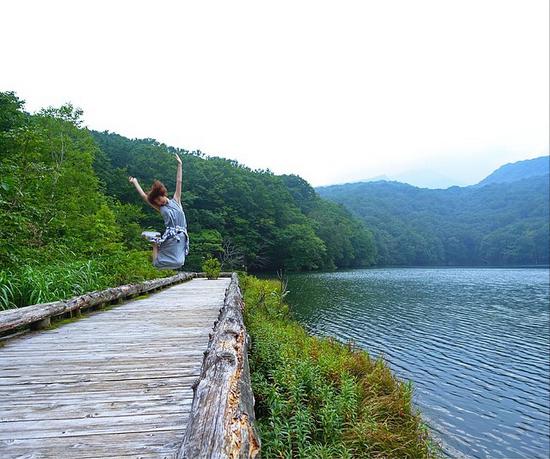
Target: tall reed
(42, 283)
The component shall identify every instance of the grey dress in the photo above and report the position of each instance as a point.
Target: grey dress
(174, 243)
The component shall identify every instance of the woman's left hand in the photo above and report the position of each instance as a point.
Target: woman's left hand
(178, 158)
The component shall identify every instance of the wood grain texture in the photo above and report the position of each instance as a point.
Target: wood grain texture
(221, 423)
(38, 315)
(116, 383)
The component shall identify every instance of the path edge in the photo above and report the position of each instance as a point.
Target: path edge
(38, 316)
(222, 420)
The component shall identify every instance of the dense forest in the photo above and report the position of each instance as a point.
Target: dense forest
(244, 217)
(501, 221)
(71, 221)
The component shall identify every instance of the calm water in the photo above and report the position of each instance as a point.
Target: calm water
(475, 342)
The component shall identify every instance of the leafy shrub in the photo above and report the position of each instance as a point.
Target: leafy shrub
(212, 268)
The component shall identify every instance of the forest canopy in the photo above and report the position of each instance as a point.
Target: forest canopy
(246, 218)
(492, 223)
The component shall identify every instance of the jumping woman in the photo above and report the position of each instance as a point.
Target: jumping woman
(170, 249)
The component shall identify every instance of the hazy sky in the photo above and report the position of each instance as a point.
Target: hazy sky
(333, 91)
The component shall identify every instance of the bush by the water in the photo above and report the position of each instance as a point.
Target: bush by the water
(318, 398)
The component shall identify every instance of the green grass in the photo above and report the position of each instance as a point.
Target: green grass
(142, 297)
(42, 283)
(60, 322)
(319, 398)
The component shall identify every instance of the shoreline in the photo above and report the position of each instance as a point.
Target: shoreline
(319, 397)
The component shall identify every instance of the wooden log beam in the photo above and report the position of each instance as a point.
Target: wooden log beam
(221, 423)
(222, 274)
(39, 314)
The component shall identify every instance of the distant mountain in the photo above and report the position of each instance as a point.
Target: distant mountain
(487, 224)
(378, 178)
(420, 177)
(426, 178)
(519, 170)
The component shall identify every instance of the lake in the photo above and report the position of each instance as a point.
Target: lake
(474, 341)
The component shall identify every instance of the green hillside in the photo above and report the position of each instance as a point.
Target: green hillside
(244, 217)
(495, 224)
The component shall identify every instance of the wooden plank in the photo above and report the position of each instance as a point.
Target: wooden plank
(92, 426)
(173, 365)
(41, 410)
(117, 383)
(69, 380)
(156, 444)
(110, 397)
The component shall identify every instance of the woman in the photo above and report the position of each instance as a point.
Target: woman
(170, 249)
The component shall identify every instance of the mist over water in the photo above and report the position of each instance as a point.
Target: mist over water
(474, 341)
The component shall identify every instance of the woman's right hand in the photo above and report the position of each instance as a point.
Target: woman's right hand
(132, 180)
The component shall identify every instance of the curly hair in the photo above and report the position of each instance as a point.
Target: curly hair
(158, 189)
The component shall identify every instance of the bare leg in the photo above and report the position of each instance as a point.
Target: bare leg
(155, 251)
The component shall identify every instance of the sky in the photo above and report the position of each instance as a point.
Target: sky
(335, 92)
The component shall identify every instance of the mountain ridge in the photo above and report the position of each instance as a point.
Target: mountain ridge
(508, 172)
(518, 170)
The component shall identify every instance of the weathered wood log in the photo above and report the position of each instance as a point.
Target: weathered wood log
(38, 313)
(221, 423)
(222, 274)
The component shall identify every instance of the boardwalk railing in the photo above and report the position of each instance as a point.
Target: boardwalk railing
(221, 423)
(37, 316)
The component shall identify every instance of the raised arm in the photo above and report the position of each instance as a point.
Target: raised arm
(134, 181)
(177, 193)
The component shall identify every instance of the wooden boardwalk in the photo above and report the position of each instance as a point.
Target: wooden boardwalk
(116, 383)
